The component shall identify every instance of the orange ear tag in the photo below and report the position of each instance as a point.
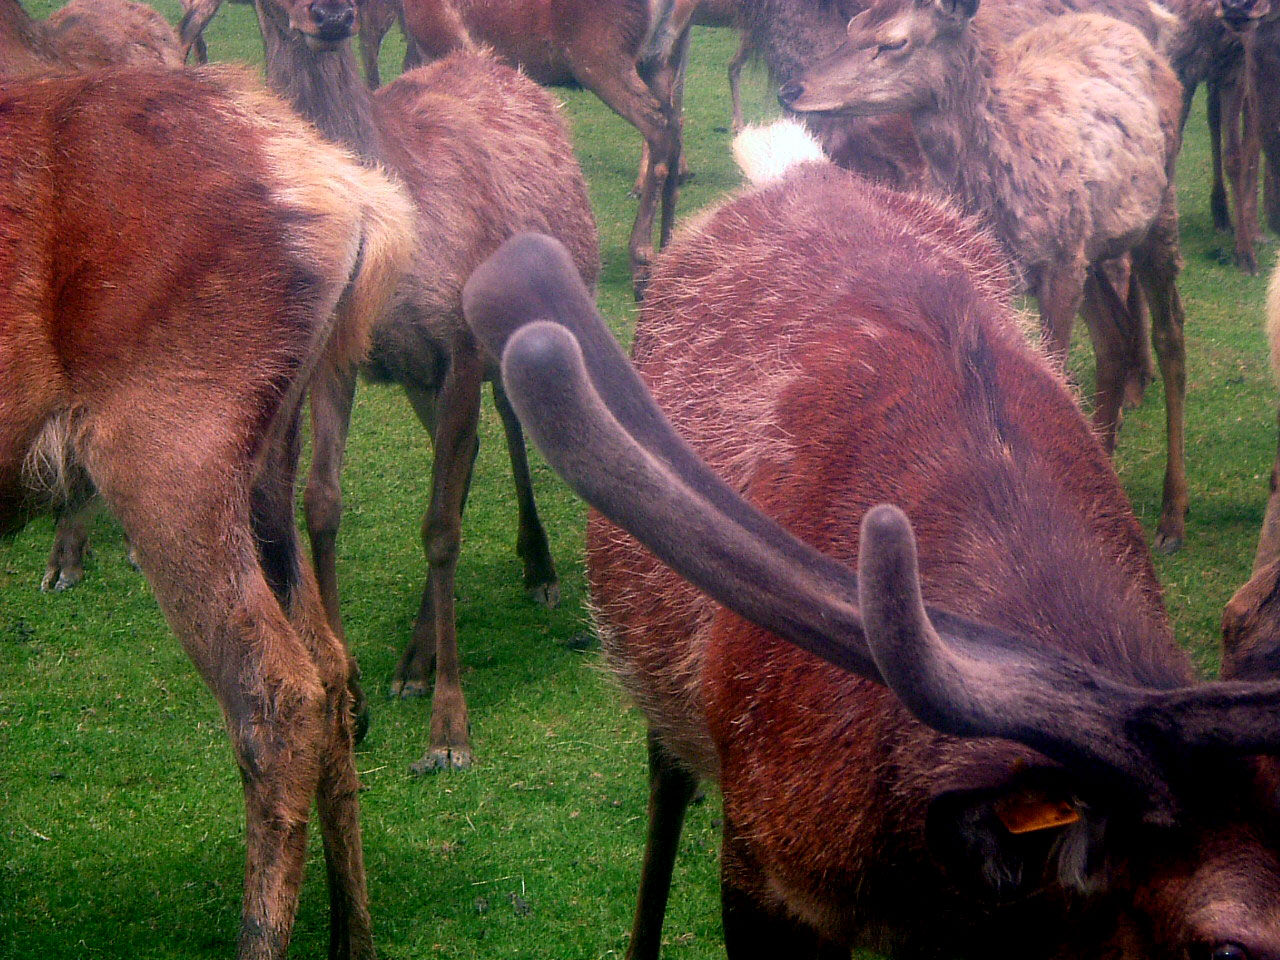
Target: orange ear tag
(1028, 811)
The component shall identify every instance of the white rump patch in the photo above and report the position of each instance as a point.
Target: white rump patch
(766, 154)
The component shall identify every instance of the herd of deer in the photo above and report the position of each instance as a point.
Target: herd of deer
(1024, 767)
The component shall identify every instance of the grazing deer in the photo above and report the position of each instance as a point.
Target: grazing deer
(626, 52)
(1065, 142)
(483, 152)
(160, 341)
(1050, 780)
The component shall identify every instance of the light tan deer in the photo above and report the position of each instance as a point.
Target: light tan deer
(1065, 143)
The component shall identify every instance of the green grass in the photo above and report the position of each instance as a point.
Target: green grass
(121, 824)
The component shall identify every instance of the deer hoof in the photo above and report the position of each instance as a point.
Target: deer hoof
(408, 689)
(1247, 261)
(360, 724)
(442, 759)
(56, 579)
(1167, 543)
(546, 594)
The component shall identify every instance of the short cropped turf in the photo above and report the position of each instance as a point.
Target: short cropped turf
(121, 820)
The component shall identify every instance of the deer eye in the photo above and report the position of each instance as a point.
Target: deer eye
(1229, 951)
(890, 46)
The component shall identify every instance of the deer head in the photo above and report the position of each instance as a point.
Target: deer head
(1242, 15)
(324, 24)
(895, 55)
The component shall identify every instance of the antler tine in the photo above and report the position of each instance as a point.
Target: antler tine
(546, 379)
(994, 686)
(532, 275)
(1230, 716)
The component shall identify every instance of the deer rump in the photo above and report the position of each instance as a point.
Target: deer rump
(827, 345)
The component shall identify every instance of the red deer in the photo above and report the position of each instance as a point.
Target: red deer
(84, 35)
(1065, 188)
(627, 52)
(376, 18)
(160, 341)
(828, 345)
(483, 153)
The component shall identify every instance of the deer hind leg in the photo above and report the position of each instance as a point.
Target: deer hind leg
(196, 16)
(540, 580)
(276, 538)
(182, 491)
(456, 443)
(332, 394)
(615, 81)
(1117, 318)
(1241, 151)
(671, 788)
(1060, 292)
(1156, 262)
(65, 568)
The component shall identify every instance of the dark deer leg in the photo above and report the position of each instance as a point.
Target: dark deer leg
(1060, 292)
(455, 449)
(540, 579)
(1218, 190)
(332, 394)
(70, 543)
(276, 537)
(619, 85)
(377, 17)
(671, 788)
(1240, 151)
(191, 28)
(1156, 262)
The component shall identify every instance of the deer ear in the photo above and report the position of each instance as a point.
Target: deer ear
(1008, 841)
(958, 9)
(1251, 628)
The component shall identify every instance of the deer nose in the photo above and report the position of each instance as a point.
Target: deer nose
(1237, 11)
(333, 18)
(790, 92)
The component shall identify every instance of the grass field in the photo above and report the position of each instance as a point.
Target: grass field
(121, 821)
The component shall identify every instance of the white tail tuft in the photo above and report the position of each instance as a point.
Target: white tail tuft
(766, 154)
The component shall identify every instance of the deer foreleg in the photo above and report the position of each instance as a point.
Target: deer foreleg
(456, 443)
(621, 88)
(1156, 263)
(671, 788)
(540, 579)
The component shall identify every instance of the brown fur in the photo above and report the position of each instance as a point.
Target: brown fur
(84, 35)
(826, 346)
(627, 52)
(108, 312)
(483, 153)
(1064, 140)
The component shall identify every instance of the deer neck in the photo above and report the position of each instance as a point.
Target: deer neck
(962, 136)
(324, 86)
